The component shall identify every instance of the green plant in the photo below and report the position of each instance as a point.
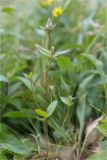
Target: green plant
(77, 80)
(46, 114)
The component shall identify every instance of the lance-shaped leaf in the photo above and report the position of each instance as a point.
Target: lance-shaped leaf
(28, 76)
(42, 113)
(67, 100)
(51, 108)
(3, 79)
(61, 53)
(23, 113)
(43, 50)
(26, 82)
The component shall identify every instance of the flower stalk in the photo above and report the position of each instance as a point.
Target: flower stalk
(48, 29)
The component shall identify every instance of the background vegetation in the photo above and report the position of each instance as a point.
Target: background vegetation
(76, 80)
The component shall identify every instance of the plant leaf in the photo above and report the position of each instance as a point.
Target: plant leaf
(13, 144)
(26, 82)
(3, 79)
(43, 50)
(65, 61)
(42, 113)
(61, 53)
(51, 108)
(67, 100)
(24, 113)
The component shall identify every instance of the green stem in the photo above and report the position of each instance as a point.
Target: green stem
(46, 92)
(65, 117)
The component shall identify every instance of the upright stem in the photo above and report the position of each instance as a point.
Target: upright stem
(46, 90)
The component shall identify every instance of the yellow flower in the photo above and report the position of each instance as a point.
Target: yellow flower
(47, 3)
(57, 11)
